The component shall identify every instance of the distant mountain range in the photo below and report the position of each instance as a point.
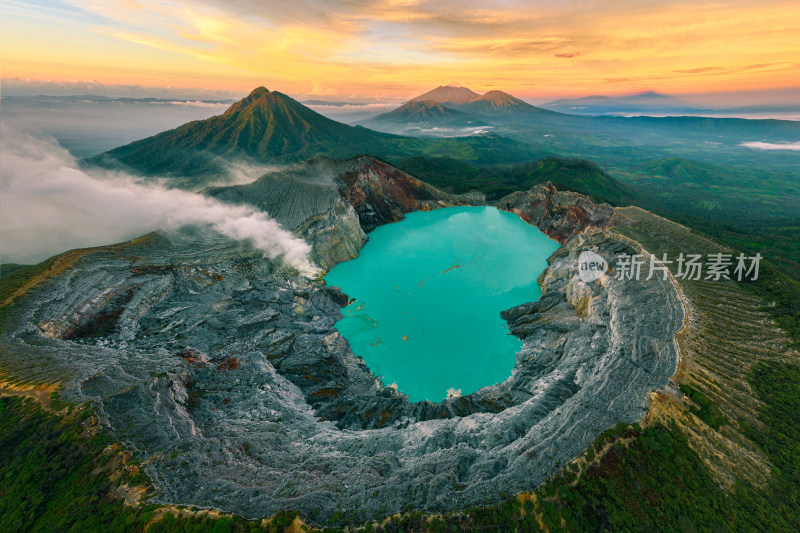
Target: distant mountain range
(493, 103)
(641, 103)
(653, 103)
(271, 127)
(445, 109)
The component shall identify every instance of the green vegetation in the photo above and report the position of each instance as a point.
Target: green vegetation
(722, 194)
(8, 268)
(566, 174)
(263, 126)
(628, 142)
(46, 478)
(706, 410)
(778, 386)
(13, 276)
(784, 292)
(779, 276)
(654, 483)
(56, 476)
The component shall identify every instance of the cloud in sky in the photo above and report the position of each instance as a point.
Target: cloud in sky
(795, 147)
(359, 47)
(50, 205)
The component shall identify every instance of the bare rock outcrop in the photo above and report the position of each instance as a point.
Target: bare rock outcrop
(559, 214)
(333, 204)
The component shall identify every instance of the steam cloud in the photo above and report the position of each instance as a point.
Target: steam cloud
(49, 205)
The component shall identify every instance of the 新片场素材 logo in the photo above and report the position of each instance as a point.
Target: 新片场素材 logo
(591, 266)
(713, 267)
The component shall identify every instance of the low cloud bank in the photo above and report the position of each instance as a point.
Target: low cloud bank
(194, 103)
(351, 114)
(49, 205)
(773, 146)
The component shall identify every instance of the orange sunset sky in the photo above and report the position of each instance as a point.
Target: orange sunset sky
(339, 49)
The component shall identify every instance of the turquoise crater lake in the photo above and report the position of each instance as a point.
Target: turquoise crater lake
(428, 292)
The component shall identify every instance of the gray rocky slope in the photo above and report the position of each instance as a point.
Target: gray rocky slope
(225, 372)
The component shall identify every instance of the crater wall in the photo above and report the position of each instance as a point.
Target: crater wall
(225, 370)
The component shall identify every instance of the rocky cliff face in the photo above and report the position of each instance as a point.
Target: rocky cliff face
(559, 214)
(332, 204)
(381, 193)
(227, 371)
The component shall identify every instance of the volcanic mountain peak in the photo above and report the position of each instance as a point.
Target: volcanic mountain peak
(421, 109)
(412, 114)
(501, 99)
(260, 96)
(263, 126)
(271, 104)
(650, 94)
(449, 95)
(498, 102)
